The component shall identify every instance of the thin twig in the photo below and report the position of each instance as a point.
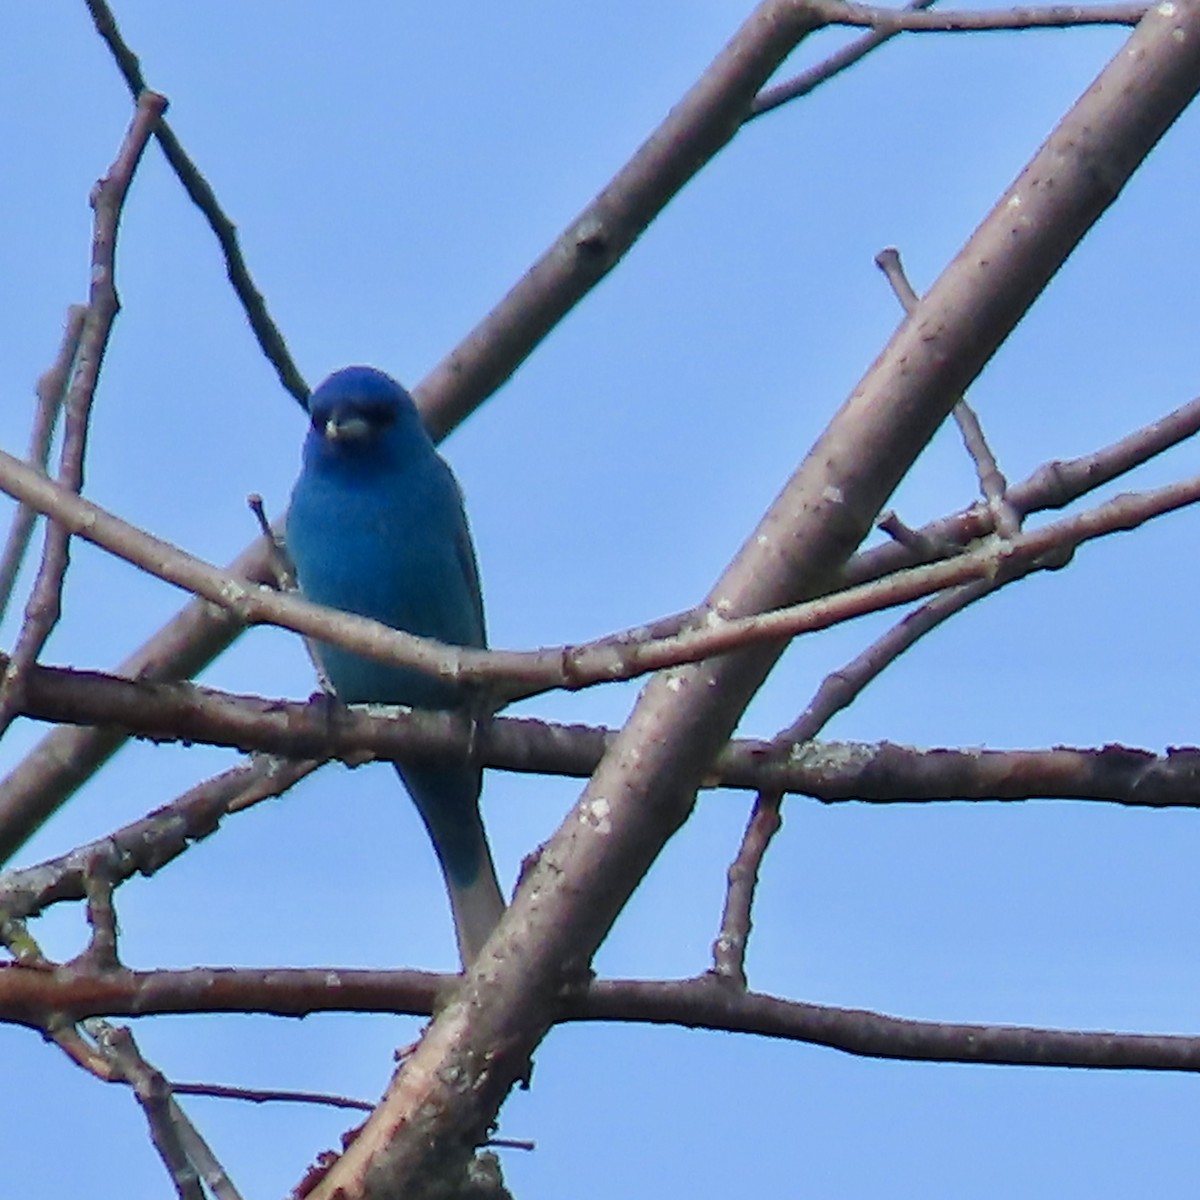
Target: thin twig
(806, 81)
(269, 1095)
(187, 1157)
(729, 948)
(922, 547)
(98, 882)
(108, 199)
(837, 691)
(67, 757)
(840, 688)
(992, 484)
(147, 845)
(270, 339)
(51, 394)
(883, 30)
(284, 570)
(527, 672)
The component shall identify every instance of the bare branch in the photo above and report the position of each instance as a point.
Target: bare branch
(63, 760)
(827, 771)
(1053, 485)
(51, 394)
(837, 691)
(66, 758)
(695, 130)
(1056, 16)
(187, 1157)
(700, 1003)
(446, 1094)
(507, 673)
(800, 85)
(729, 949)
(108, 199)
(705, 1004)
(147, 845)
(992, 484)
(840, 688)
(269, 1096)
(270, 340)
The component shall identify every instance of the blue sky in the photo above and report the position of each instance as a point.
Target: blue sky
(393, 170)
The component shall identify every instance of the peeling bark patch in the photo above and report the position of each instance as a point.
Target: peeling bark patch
(596, 815)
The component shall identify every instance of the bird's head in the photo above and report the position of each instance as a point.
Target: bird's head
(361, 412)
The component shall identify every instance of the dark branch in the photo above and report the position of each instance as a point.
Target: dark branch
(108, 199)
(270, 340)
(701, 1003)
(51, 395)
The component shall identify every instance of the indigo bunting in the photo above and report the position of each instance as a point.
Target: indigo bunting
(377, 527)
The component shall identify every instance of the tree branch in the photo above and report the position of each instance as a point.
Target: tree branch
(509, 674)
(479, 1046)
(1056, 16)
(108, 200)
(27, 993)
(51, 394)
(270, 340)
(197, 634)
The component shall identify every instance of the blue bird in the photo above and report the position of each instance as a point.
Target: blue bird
(377, 527)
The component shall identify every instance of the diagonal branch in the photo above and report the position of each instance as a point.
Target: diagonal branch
(509, 674)
(446, 1094)
(992, 484)
(199, 190)
(66, 757)
(809, 80)
(492, 351)
(145, 846)
(108, 200)
(51, 394)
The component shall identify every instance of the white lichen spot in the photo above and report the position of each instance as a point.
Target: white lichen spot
(597, 815)
(87, 521)
(716, 615)
(333, 979)
(833, 756)
(590, 229)
(1177, 35)
(233, 591)
(1167, 9)
(675, 682)
(1014, 201)
(762, 540)
(381, 710)
(833, 494)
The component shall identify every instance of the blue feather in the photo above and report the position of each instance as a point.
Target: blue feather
(377, 527)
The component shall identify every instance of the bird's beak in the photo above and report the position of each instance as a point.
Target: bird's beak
(346, 429)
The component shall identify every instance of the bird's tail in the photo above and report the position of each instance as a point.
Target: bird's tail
(447, 797)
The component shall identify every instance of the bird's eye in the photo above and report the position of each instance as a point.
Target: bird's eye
(380, 415)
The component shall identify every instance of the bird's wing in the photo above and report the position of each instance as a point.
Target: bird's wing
(464, 547)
